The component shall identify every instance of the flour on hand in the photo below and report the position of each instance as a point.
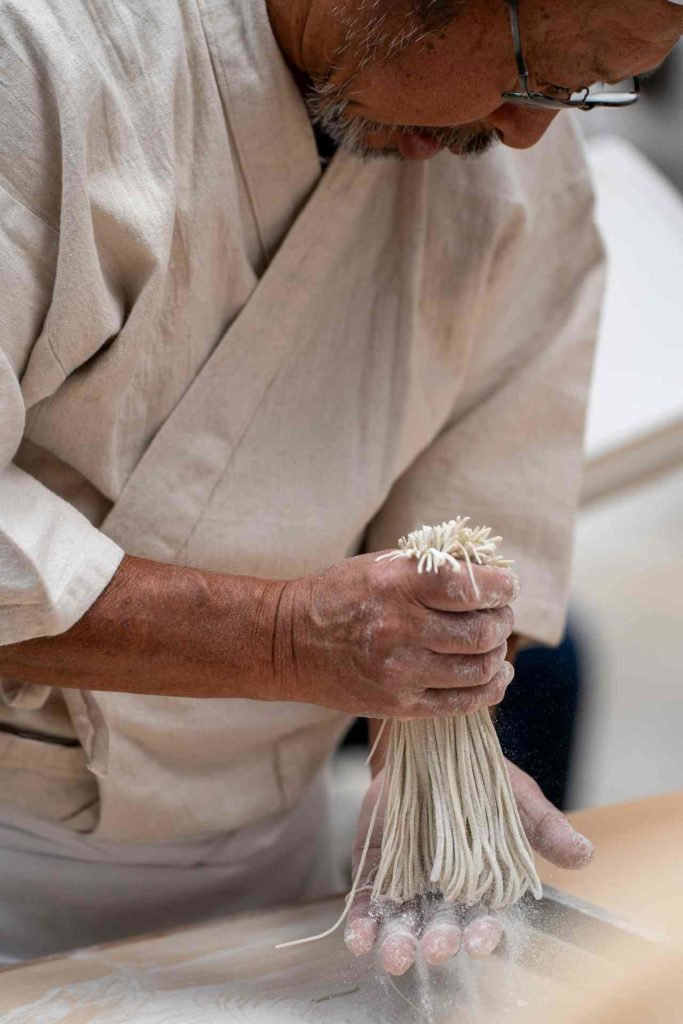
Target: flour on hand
(452, 830)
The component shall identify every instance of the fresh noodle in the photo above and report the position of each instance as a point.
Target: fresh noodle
(451, 825)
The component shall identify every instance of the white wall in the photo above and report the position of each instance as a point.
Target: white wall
(628, 569)
(628, 597)
(655, 124)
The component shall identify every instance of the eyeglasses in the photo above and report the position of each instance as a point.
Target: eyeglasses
(585, 99)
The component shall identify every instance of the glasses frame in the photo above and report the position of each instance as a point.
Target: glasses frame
(582, 100)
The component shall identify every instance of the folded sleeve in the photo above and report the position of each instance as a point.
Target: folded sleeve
(510, 455)
(53, 562)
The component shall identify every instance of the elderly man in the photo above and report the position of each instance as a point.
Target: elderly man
(234, 365)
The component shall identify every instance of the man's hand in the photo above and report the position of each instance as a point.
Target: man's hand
(359, 638)
(364, 636)
(436, 932)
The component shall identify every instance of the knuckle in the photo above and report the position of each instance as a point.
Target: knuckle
(384, 629)
(536, 827)
(386, 588)
(488, 695)
(497, 586)
(395, 580)
(477, 669)
(467, 703)
(484, 633)
(381, 629)
(497, 656)
(501, 683)
(507, 617)
(382, 576)
(398, 665)
(455, 588)
(502, 623)
(497, 694)
(492, 628)
(490, 665)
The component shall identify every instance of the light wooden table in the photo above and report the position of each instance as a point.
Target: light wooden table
(228, 970)
(639, 847)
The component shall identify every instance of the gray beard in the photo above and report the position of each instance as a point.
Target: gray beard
(328, 109)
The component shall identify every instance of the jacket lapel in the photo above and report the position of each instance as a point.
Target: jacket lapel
(170, 486)
(266, 115)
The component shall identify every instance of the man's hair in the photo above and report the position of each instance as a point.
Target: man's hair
(376, 29)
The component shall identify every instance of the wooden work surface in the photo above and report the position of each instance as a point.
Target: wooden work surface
(229, 971)
(631, 839)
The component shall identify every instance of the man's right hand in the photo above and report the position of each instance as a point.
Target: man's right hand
(381, 640)
(369, 638)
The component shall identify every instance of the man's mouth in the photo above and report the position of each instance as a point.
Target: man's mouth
(363, 137)
(418, 145)
(463, 140)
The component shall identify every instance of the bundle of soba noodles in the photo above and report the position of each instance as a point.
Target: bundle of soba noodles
(451, 825)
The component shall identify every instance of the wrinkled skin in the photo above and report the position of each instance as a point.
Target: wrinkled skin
(457, 74)
(380, 639)
(365, 637)
(400, 939)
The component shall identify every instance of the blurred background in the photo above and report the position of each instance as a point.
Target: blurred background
(627, 595)
(600, 719)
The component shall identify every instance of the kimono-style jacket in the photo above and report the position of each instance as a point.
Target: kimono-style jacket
(214, 354)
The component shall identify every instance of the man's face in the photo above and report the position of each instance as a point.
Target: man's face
(444, 90)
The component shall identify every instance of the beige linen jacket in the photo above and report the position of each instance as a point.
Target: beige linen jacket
(211, 354)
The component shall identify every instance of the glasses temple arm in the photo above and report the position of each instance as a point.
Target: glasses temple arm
(517, 41)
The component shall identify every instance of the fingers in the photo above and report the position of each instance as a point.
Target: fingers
(360, 932)
(440, 703)
(451, 590)
(360, 935)
(465, 633)
(447, 671)
(482, 936)
(547, 829)
(442, 938)
(398, 944)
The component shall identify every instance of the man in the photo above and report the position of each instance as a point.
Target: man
(224, 371)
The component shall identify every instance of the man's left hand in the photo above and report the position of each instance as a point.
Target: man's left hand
(438, 934)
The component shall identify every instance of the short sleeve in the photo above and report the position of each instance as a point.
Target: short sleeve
(53, 562)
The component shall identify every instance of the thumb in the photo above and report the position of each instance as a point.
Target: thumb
(370, 826)
(547, 829)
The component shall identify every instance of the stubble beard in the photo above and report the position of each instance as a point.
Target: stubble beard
(328, 108)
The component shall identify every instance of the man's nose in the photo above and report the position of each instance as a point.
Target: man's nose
(520, 127)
